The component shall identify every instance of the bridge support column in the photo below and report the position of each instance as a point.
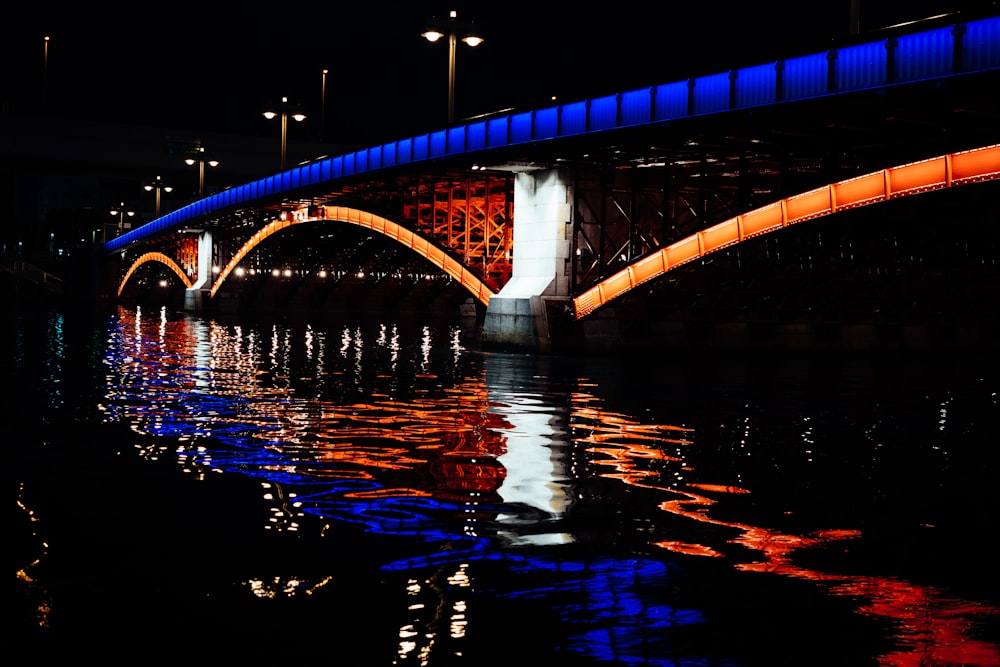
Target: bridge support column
(196, 295)
(519, 316)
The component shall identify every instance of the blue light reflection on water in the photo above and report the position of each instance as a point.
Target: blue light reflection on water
(245, 422)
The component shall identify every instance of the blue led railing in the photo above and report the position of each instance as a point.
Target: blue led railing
(954, 49)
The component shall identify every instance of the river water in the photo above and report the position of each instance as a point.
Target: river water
(369, 491)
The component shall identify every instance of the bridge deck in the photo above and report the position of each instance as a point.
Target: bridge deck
(904, 57)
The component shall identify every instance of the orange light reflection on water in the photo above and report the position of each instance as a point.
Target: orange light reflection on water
(932, 628)
(462, 439)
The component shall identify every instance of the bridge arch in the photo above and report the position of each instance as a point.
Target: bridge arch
(408, 238)
(155, 257)
(945, 171)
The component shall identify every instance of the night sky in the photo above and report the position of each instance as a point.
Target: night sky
(192, 66)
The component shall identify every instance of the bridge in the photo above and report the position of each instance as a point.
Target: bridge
(752, 199)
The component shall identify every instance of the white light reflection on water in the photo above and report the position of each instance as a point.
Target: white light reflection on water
(426, 343)
(484, 463)
(56, 357)
(535, 456)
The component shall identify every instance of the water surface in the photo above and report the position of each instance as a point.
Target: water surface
(382, 492)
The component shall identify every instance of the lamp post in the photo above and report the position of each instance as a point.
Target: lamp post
(157, 185)
(121, 212)
(322, 109)
(45, 76)
(202, 161)
(283, 110)
(436, 32)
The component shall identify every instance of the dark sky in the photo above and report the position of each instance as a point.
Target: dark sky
(191, 66)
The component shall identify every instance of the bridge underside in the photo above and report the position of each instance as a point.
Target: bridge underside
(915, 273)
(660, 184)
(909, 274)
(333, 266)
(319, 269)
(466, 213)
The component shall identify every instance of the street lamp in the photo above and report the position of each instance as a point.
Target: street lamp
(157, 185)
(202, 161)
(284, 111)
(453, 26)
(121, 213)
(45, 76)
(322, 108)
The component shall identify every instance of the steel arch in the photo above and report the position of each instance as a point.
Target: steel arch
(155, 257)
(408, 238)
(945, 171)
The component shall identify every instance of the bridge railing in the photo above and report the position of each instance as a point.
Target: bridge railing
(904, 56)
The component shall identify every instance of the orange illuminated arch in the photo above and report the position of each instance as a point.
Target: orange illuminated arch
(952, 169)
(406, 237)
(155, 257)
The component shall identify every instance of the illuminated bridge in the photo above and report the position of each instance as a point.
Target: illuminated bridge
(845, 196)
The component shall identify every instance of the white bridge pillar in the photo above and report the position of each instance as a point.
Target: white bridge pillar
(517, 317)
(195, 295)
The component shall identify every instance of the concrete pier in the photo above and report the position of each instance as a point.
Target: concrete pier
(196, 296)
(518, 317)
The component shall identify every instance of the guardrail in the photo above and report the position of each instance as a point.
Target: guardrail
(32, 273)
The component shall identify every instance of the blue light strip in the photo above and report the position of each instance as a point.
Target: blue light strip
(959, 49)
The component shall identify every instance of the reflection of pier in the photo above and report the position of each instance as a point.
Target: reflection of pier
(536, 442)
